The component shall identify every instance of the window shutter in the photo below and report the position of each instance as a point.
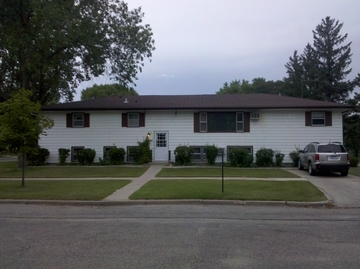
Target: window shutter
(141, 119)
(328, 118)
(86, 120)
(308, 118)
(124, 122)
(69, 120)
(196, 122)
(246, 122)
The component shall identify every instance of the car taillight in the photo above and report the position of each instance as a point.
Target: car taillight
(317, 157)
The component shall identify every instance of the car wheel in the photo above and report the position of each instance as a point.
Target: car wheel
(311, 170)
(345, 173)
(300, 167)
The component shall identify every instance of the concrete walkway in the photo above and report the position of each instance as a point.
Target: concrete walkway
(124, 193)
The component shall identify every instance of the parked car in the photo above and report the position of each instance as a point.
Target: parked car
(318, 157)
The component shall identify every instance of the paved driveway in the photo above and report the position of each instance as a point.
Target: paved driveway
(344, 191)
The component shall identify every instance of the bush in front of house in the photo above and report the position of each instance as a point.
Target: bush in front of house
(279, 157)
(294, 156)
(86, 156)
(117, 156)
(264, 157)
(63, 154)
(183, 155)
(38, 157)
(240, 157)
(354, 161)
(145, 154)
(211, 153)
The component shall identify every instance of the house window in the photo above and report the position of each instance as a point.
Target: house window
(199, 154)
(78, 120)
(106, 150)
(318, 118)
(222, 122)
(74, 151)
(203, 122)
(133, 119)
(131, 152)
(239, 122)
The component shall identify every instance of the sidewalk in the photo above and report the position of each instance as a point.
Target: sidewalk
(124, 193)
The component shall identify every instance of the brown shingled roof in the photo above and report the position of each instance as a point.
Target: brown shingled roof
(195, 102)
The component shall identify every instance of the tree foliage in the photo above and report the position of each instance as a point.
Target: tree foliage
(49, 47)
(21, 124)
(320, 72)
(99, 91)
(258, 85)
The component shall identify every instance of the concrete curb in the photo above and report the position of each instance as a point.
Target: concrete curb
(327, 203)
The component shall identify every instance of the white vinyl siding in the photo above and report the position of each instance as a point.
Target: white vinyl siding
(281, 130)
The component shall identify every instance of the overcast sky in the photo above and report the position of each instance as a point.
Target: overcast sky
(201, 44)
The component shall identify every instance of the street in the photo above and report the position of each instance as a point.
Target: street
(178, 236)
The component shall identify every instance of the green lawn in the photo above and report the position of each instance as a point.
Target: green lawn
(228, 172)
(355, 171)
(234, 190)
(60, 189)
(9, 170)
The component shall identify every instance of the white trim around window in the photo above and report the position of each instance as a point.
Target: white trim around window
(78, 120)
(133, 119)
(318, 118)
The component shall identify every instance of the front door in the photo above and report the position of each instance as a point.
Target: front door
(161, 146)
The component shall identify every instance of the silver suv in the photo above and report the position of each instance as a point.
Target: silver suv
(318, 157)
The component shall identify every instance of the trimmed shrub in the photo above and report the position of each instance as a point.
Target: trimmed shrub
(279, 157)
(63, 154)
(117, 155)
(38, 157)
(183, 155)
(294, 156)
(264, 157)
(86, 156)
(211, 153)
(354, 161)
(240, 157)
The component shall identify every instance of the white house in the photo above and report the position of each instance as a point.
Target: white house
(250, 121)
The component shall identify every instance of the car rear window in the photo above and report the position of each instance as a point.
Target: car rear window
(331, 148)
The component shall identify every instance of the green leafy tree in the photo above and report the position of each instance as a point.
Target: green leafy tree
(49, 47)
(235, 86)
(323, 67)
(21, 125)
(258, 85)
(99, 91)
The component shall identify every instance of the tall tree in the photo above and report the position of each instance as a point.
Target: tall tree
(49, 47)
(293, 82)
(258, 85)
(21, 125)
(98, 91)
(235, 86)
(324, 65)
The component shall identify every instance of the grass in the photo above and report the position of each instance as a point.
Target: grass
(234, 190)
(60, 189)
(228, 172)
(355, 171)
(10, 170)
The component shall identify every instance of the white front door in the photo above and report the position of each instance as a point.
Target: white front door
(161, 146)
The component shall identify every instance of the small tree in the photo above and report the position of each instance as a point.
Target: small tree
(63, 154)
(21, 125)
